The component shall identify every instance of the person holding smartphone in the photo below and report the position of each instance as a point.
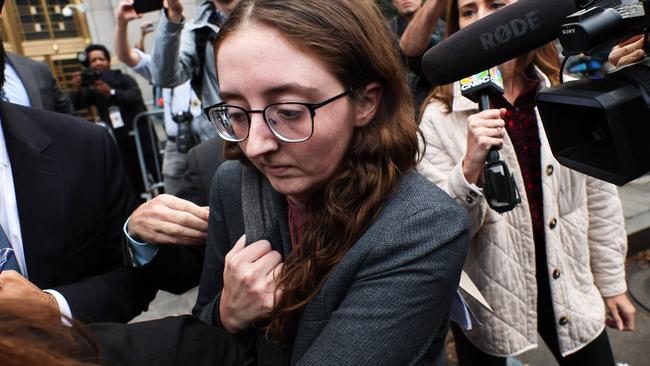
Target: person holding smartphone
(186, 53)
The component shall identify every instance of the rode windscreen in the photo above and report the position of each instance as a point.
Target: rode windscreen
(495, 39)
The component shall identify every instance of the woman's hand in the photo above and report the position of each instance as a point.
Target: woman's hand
(620, 312)
(249, 284)
(484, 131)
(627, 52)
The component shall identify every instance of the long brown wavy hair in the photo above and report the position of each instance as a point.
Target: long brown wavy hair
(31, 335)
(546, 58)
(351, 39)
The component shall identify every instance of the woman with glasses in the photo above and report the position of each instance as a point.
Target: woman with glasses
(555, 263)
(350, 256)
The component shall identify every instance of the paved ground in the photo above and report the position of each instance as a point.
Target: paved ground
(630, 348)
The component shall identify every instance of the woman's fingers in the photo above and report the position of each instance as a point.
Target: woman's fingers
(635, 56)
(627, 52)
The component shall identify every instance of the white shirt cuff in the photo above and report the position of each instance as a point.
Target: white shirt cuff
(64, 308)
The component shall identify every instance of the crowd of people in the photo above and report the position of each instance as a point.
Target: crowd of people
(320, 192)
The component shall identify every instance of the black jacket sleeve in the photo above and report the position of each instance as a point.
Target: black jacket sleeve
(120, 293)
(182, 340)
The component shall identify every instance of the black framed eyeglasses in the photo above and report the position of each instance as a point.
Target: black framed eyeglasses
(289, 121)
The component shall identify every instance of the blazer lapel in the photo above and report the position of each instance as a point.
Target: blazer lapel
(280, 233)
(265, 211)
(38, 182)
(29, 80)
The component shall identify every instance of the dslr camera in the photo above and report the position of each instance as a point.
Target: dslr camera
(89, 76)
(185, 139)
(599, 126)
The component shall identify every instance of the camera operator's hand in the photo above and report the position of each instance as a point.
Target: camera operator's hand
(484, 131)
(167, 219)
(249, 291)
(175, 10)
(627, 52)
(100, 87)
(76, 80)
(126, 13)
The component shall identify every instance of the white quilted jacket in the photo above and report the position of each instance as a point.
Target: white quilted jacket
(585, 241)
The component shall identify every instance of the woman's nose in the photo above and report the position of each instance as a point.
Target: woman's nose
(260, 139)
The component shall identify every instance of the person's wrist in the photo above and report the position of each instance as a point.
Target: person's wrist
(132, 229)
(175, 14)
(439, 8)
(471, 171)
(228, 320)
(121, 23)
(50, 301)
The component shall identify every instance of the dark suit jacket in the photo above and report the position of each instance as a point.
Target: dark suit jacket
(386, 303)
(73, 198)
(172, 341)
(42, 88)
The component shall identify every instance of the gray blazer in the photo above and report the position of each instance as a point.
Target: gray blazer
(386, 303)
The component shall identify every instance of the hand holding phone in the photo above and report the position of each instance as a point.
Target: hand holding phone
(125, 13)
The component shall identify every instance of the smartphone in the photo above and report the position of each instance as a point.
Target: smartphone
(146, 6)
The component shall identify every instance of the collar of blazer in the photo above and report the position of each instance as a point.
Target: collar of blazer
(28, 70)
(20, 126)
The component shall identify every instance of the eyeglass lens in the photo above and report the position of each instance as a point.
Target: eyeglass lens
(288, 121)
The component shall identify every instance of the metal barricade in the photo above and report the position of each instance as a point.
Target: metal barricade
(153, 123)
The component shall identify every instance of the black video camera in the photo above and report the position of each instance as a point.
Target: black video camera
(184, 137)
(601, 25)
(599, 127)
(89, 76)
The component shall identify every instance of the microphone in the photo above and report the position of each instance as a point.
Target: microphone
(495, 39)
(499, 186)
(479, 87)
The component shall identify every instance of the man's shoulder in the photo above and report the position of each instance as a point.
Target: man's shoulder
(14, 57)
(55, 124)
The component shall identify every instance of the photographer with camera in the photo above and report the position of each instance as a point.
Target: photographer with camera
(185, 124)
(118, 100)
(186, 53)
(555, 264)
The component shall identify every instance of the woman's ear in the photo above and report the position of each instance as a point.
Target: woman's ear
(367, 103)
